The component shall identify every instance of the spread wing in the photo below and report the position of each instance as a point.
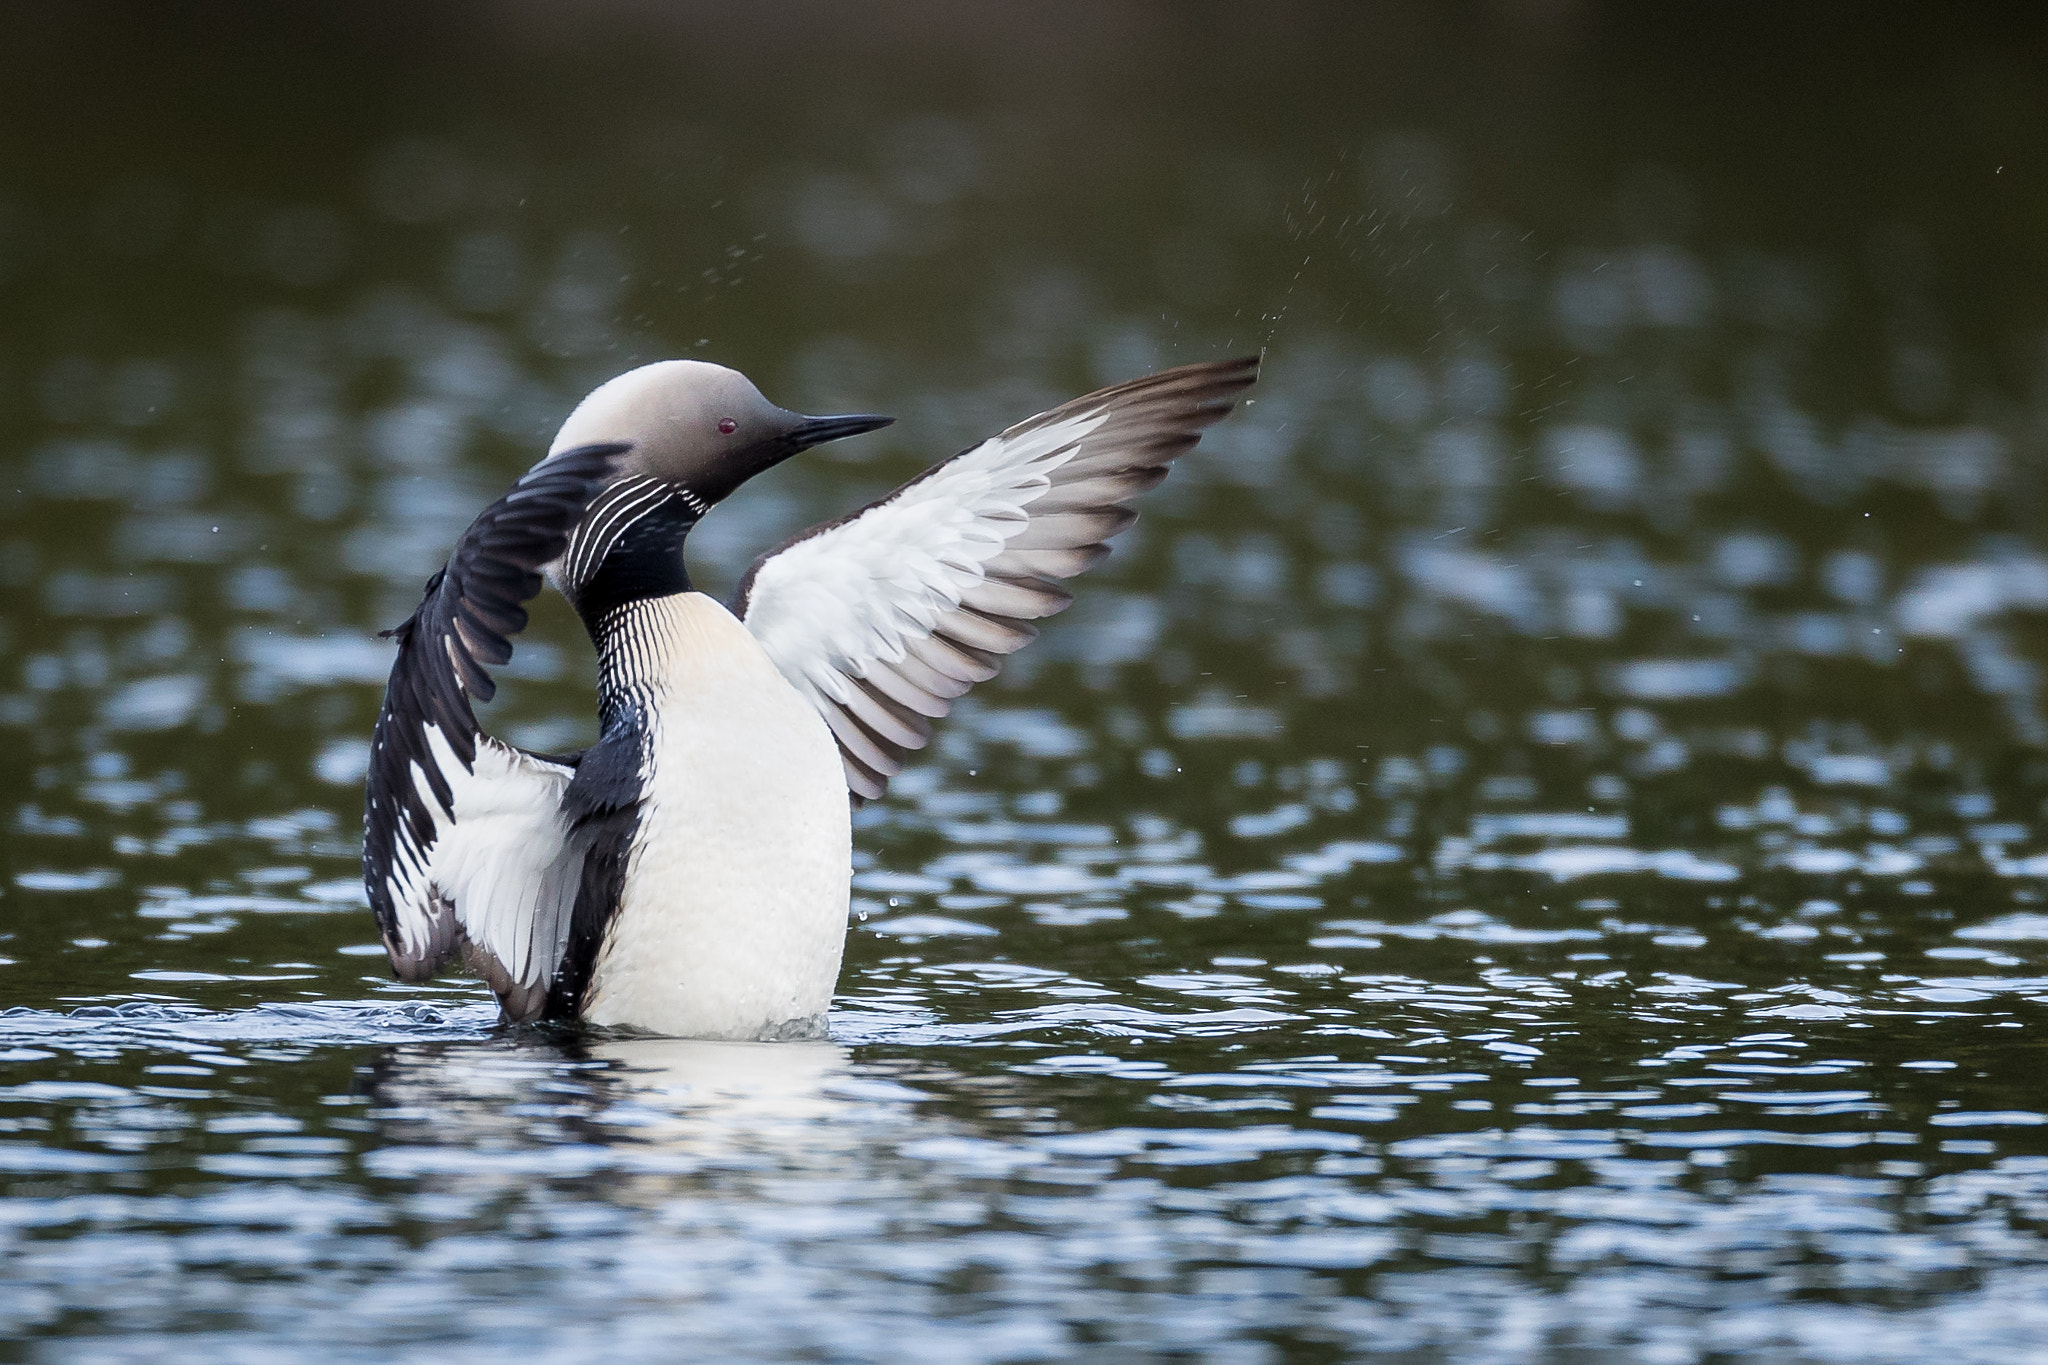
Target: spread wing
(464, 843)
(885, 616)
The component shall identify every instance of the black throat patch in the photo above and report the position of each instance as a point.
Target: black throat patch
(630, 547)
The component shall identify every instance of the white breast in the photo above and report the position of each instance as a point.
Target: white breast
(733, 917)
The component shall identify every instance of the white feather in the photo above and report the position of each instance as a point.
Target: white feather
(501, 862)
(733, 915)
(834, 607)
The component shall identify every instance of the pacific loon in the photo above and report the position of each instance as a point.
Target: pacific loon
(689, 874)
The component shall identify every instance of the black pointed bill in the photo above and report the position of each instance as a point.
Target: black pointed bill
(815, 431)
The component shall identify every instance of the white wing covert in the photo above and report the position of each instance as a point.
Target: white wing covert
(465, 847)
(881, 618)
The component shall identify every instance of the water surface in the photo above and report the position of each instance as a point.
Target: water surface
(1531, 851)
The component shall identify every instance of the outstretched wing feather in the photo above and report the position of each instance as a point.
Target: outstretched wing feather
(884, 617)
(464, 850)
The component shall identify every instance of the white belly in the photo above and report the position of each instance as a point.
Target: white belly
(734, 913)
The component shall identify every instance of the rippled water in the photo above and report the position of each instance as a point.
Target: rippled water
(1532, 850)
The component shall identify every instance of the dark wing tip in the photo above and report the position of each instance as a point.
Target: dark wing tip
(1199, 380)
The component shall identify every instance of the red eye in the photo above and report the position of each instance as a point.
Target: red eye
(727, 426)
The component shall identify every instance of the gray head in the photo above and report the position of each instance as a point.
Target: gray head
(696, 432)
(699, 426)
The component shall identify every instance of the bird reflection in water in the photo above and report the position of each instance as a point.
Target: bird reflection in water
(556, 1104)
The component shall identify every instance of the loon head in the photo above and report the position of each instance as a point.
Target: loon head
(693, 433)
(701, 428)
